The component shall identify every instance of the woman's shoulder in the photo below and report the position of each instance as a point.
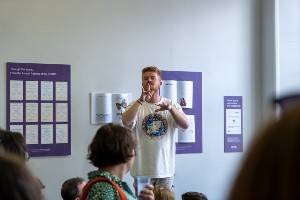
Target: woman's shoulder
(102, 191)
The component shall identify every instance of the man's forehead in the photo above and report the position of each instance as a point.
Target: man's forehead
(150, 73)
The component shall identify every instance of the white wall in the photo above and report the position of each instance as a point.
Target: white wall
(288, 45)
(108, 42)
(268, 52)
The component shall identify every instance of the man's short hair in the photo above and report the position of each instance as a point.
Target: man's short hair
(151, 69)
(193, 196)
(69, 189)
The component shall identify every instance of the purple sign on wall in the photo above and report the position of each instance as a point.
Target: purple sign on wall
(190, 86)
(38, 99)
(233, 124)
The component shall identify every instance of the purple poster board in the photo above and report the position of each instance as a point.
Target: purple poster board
(233, 124)
(38, 99)
(196, 110)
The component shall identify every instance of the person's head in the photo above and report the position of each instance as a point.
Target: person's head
(163, 193)
(151, 75)
(112, 145)
(13, 142)
(17, 182)
(271, 166)
(71, 189)
(193, 196)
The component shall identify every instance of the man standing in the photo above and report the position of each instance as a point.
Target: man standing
(153, 119)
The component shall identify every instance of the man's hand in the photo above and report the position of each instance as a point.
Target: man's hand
(146, 93)
(164, 106)
(178, 115)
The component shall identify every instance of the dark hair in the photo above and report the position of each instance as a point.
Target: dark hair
(271, 166)
(69, 189)
(17, 182)
(193, 196)
(151, 69)
(112, 145)
(13, 142)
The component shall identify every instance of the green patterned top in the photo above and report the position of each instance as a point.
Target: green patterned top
(104, 190)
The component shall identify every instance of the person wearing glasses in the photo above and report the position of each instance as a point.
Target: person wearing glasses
(14, 143)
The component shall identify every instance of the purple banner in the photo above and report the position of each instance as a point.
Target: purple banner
(233, 124)
(195, 110)
(38, 99)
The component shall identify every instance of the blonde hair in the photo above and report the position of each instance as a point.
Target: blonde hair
(151, 69)
(163, 193)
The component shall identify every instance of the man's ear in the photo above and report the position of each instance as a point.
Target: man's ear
(160, 82)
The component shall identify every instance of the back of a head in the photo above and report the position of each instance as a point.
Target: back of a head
(17, 182)
(112, 145)
(13, 142)
(70, 189)
(271, 166)
(163, 193)
(193, 196)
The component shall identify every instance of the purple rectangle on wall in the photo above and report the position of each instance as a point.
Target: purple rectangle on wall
(41, 93)
(196, 110)
(233, 124)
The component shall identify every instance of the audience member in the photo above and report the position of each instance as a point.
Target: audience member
(112, 151)
(163, 193)
(71, 188)
(16, 181)
(13, 142)
(271, 166)
(193, 196)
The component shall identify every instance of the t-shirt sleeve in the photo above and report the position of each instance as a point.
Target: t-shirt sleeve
(178, 107)
(102, 191)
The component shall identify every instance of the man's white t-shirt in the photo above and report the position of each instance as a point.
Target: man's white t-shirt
(155, 133)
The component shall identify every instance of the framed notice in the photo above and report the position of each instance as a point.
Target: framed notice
(108, 107)
(38, 100)
(233, 124)
(186, 89)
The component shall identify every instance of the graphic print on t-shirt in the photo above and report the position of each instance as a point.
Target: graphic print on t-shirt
(155, 126)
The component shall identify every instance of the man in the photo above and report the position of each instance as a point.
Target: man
(153, 119)
(71, 189)
(193, 196)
